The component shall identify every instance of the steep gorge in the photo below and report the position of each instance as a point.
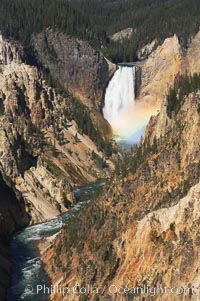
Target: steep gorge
(44, 151)
(145, 226)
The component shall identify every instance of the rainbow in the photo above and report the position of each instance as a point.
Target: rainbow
(132, 123)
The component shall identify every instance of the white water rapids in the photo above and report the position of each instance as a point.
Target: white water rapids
(27, 268)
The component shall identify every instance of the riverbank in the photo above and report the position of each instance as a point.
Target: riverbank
(29, 245)
(45, 243)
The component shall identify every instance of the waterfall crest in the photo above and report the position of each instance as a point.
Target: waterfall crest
(120, 95)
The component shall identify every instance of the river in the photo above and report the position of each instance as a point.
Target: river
(27, 268)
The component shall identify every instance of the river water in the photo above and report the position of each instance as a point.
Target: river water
(27, 269)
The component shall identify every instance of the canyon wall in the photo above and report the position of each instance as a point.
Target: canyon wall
(44, 151)
(163, 65)
(74, 64)
(144, 228)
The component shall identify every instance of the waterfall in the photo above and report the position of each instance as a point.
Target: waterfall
(127, 117)
(120, 95)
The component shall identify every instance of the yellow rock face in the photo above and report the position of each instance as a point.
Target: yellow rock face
(161, 67)
(193, 55)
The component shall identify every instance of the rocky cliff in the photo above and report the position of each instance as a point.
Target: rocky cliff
(122, 35)
(42, 152)
(145, 226)
(44, 148)
(162, 66)
(74, 64)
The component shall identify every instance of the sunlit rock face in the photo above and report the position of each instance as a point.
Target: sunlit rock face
(41, 153)
(148, 221)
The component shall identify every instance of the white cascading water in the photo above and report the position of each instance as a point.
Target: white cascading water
(120, 95)
(127, 117)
